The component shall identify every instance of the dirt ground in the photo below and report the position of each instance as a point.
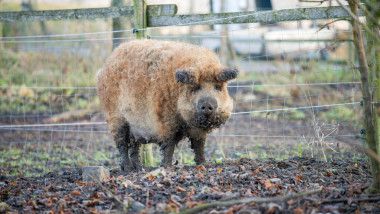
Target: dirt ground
(156, 190)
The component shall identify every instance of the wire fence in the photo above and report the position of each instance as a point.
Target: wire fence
(298, 94)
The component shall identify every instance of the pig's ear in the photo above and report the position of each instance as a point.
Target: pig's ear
(184, 77)
(227, 74)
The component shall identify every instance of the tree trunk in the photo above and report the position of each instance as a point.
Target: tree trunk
(369, 117)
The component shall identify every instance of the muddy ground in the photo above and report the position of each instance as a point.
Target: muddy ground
(342, 183)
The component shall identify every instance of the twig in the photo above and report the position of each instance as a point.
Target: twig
(109, 192)
(249, 200)
(361, 148)
(369, 15)
(356, 19)
(343, 200)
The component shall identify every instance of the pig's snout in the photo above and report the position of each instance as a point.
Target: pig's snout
(207, 106)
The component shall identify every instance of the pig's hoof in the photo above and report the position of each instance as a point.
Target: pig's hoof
(126, 167)
(137, 167)
(200, 162)
(165, 165)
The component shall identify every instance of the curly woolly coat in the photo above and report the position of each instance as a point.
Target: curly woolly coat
(152, 91)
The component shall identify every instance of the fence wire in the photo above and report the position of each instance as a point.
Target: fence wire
(295, 85)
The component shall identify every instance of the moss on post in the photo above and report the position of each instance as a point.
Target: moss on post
(368, 110)
(140, 11)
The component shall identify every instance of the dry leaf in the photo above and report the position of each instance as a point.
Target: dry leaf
(248, 193)
(66, 198)
(120, 177)
(75, 192)
(356, 165)
(291, 202)
(298, 211)
(81, 183)
(199, 175)
(201, 168)
(329, 174)
(13, 183)
(181, 189)
(91, 203)
(176, 203)
(299, 177)
(220, 170)
(94, 211)
(150, 177)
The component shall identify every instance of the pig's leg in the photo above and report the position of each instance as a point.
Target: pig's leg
(167, 150)
(198, 145)
(120, 132)
(134, 152)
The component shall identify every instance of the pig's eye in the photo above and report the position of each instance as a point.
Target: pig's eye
(196, 88)
(218, 87)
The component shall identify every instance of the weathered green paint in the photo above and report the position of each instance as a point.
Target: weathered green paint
(78, 14)
(250, 17)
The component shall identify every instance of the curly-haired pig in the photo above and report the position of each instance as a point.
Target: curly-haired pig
(162, 92)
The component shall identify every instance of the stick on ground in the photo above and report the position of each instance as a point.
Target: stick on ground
(249, 200)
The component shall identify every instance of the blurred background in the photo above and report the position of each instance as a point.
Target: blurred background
(297, 93)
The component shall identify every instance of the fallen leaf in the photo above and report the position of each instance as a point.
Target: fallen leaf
(199, 175)
(75, 192)
(181, 189)
(98, 195)
(91, 203)
(291, 202)
(299, 177)
(248, 193)
(181, 178)
(176, 203)
(81, 183)
(257, 171)
(356, 165)
(329, 174)
(94, 211)
(120, 177)
(269, 184)
(66, 198)
(220, 170)
(150, 177)
(13, 183)
(298, 211)
(201, 168)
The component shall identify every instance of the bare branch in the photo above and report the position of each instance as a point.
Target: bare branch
(356, 19)
(197, 209)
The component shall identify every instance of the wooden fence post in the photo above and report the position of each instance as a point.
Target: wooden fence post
(140, 9)
(116, 24)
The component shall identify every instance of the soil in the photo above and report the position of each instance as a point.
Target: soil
(342, 183)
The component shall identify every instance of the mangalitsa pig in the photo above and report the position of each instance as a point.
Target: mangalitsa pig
(162, 92)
